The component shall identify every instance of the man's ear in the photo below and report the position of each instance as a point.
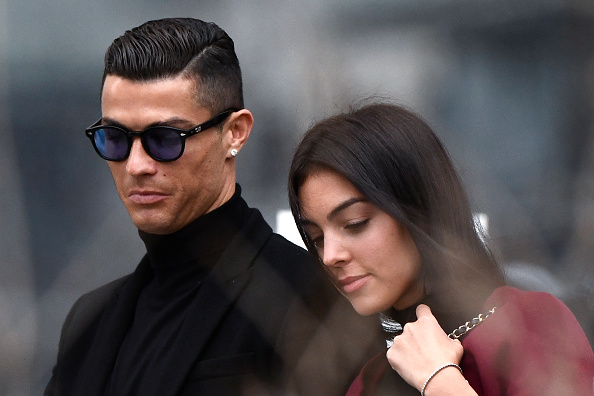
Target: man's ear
(239, 126)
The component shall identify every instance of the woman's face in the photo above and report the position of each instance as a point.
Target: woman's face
(370, 256)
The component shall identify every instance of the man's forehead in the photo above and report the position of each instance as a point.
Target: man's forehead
(140, 104)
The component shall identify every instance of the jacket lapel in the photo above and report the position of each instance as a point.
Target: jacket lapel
(216, 296)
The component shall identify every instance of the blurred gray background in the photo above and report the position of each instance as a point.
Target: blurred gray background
(508, 85)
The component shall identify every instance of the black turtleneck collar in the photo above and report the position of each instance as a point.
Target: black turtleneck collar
(186, 256)
(448, 320)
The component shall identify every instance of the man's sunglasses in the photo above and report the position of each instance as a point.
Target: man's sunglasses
(162, 143)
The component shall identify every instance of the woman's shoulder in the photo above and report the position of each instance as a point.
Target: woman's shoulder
(533, 312)
(507, 296)
(521, 314)
(530, 334)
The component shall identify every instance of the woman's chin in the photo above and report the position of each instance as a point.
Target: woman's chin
(367, 309)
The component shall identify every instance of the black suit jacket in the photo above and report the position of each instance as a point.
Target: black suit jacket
(265, 321)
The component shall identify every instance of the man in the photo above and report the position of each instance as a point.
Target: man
(219, 305)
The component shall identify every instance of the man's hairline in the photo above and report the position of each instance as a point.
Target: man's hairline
(196, 80)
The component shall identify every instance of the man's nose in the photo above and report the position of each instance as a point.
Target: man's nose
(139, 162)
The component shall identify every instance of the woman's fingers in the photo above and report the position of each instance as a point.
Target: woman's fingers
(423, 310)
(422, 347)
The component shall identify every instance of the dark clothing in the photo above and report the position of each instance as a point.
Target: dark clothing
(180, 262)
(221, 307)
(531, 346)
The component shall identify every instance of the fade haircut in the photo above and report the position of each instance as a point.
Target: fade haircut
(171, 47)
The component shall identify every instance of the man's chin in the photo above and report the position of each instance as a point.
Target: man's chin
(153, 226)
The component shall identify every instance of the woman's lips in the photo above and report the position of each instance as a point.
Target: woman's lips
(351, 284)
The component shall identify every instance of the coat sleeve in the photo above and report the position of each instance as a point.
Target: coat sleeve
(532, 345)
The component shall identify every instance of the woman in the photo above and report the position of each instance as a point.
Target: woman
(377, 199)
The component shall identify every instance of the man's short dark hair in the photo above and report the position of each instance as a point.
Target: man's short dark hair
(172, 47)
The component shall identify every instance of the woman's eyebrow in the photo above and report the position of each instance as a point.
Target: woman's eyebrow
(344, 205)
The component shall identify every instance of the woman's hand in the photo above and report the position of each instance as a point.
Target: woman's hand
(422, 348)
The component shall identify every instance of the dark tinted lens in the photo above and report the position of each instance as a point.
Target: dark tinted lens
(112, 143)
(163, 143)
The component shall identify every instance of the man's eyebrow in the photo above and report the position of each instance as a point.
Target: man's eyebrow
(112, 122)
(173, 121)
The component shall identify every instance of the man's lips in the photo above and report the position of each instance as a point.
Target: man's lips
(351, 284)
(146, 196)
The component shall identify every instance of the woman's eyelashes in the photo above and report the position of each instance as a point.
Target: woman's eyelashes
(357, 226)
(352, 227)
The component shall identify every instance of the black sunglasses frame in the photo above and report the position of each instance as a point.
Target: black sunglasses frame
(183, 135)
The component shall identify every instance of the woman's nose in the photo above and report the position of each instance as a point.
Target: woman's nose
(334, 252)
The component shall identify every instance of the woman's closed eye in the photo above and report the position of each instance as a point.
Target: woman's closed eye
(352, 227)
(357, 226)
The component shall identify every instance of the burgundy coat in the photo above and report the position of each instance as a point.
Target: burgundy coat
(531, 346)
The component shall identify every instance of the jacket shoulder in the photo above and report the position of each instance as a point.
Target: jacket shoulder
(528, 327)
(86, 312)
(77, 334)
(292, 261)
(94, 300)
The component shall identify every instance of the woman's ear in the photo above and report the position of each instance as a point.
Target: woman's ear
(239, 128)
